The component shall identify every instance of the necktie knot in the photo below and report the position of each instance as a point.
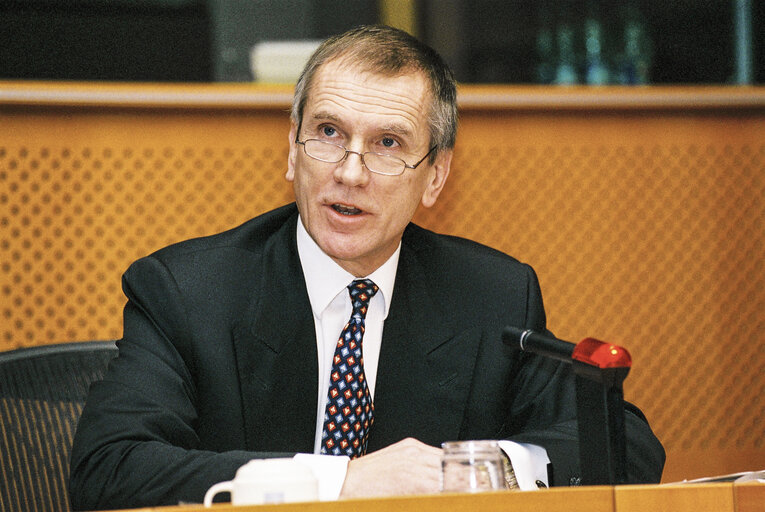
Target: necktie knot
(361, 291)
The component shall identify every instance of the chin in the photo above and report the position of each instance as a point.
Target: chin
(343, 252)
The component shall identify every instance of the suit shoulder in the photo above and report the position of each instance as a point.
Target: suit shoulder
(490, 287)
(250, 236)
(449, 249)
(227, 257)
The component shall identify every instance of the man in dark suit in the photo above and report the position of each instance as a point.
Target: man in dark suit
(228, 352)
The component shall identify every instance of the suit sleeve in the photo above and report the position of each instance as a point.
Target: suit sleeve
(136, 444)
(543, 412)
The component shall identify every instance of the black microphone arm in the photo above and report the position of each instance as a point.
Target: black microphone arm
(532, 341)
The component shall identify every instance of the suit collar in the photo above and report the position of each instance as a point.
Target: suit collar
(276, 352)
(281, 298)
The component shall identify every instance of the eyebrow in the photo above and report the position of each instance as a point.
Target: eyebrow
(397, 129)
(321, 115)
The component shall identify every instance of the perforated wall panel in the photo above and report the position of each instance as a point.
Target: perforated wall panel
(645, 230)
(78, 215)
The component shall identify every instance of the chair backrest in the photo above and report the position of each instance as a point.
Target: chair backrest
(42, 392)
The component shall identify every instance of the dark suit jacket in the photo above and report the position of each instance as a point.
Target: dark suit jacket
(217, 365)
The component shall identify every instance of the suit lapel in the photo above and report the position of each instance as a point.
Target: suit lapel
(276, 353)
(425, 368)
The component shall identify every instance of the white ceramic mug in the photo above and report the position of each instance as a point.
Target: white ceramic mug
(268, 481)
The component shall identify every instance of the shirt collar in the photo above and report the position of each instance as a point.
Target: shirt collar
(325, 279)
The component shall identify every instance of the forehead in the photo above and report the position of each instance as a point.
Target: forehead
(348, 91)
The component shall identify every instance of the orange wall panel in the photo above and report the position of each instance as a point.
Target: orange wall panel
(643, 220)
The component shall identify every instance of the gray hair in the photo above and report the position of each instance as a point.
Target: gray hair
(389, 51)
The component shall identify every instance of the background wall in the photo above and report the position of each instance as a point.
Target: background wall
(641, 211)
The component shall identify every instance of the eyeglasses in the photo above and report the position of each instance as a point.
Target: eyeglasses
(376, 162)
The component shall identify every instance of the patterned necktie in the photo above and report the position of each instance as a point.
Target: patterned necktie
(349, 413)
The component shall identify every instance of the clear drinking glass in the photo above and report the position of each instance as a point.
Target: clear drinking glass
(472, 466)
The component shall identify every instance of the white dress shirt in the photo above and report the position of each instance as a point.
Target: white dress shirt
(327, 283)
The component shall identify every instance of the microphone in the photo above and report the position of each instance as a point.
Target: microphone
(589, 351)
(530, 341)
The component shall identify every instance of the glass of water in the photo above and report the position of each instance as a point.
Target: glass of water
(472, 466)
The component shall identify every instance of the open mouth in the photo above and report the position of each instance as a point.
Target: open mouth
(346, 210)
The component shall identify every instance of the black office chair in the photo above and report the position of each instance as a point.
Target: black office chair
(42, 392)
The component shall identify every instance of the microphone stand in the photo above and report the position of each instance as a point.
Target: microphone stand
(600, 411)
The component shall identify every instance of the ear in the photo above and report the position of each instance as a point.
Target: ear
(439, 171)
(290, 176)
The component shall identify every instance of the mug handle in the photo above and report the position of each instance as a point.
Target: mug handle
(227, 486)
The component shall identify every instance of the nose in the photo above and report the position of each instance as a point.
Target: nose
(351, 170)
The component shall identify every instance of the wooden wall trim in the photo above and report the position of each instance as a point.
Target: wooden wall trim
(497, 97)
(144, 95)
(471, 97)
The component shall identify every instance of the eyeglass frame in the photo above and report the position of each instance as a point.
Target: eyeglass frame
(361, 155)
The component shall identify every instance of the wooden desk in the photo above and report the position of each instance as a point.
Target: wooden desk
(672, 498)
(718, 497)
(749, 497)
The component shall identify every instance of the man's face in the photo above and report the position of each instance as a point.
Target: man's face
(355, 216)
